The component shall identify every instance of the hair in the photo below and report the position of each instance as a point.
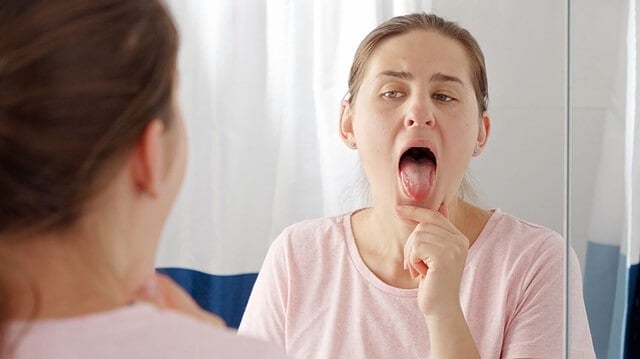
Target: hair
(400, 25)
(79, 82)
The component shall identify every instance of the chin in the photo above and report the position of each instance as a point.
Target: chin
(430, 202)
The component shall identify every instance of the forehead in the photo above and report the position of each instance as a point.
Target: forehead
(422, 53)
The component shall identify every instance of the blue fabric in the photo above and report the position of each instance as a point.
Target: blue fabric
(225, 296)
(600, 278)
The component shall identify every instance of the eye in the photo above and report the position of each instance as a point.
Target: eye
(392, 94)
(442, 97)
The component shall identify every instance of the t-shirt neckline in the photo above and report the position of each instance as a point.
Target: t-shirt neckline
(378, 283)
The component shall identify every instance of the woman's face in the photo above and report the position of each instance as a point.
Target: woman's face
(416, 120)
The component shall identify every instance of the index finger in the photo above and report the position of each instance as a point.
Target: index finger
(418, 214)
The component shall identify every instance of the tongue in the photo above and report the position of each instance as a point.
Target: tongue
(416, 177)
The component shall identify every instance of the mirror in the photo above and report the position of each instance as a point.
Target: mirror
(522, 168)
(605, 169)
(260, 89)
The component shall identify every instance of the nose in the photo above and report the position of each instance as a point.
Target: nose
(420, 113)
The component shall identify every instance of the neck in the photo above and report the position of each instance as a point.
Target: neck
(386, 231)
(59, 275)
(381, 232)
(381, 236)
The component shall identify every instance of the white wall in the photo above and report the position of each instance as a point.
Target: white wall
(597, 32)
(522, 169)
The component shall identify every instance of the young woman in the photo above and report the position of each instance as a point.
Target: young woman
(421, 273)
(92, 154)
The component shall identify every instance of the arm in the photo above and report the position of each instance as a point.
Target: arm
(537, 328)
(265, 314)
(436, 252)
(450, 336)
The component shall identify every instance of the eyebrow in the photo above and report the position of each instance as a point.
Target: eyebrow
(438, 77)
(399, 74)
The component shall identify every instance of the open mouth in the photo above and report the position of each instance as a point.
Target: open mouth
(419, 155)
(417, 169)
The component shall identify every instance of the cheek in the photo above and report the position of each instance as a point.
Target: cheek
(375, 142)
(375, 122)
(371, 128)
(462, 135)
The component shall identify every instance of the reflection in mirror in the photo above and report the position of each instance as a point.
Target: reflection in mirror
(265, 152)
(605, 187)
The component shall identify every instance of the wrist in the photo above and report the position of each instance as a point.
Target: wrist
(449, 334)
(444, 314)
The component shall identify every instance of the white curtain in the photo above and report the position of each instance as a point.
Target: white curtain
(260, 89)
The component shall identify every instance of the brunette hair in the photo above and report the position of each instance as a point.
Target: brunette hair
(79, 82)
(400, 25)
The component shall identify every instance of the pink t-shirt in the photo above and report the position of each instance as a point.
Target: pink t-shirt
(138, 331)
(316, 298)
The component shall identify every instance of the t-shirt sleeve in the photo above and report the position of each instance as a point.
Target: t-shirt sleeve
(265, 314)
(536, 328)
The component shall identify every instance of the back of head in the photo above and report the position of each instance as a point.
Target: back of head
(79, 80)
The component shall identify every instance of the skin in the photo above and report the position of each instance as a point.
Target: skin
(106, 259)
(417, 87)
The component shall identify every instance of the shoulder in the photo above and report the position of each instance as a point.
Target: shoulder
(205, 340)
(314, 233)
(523, 250)
(134, 331)
(310, 246)
(504, 229)
(317, 227)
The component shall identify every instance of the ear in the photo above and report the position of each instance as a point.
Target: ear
(147, 165)
(346, 124)
(483, 130)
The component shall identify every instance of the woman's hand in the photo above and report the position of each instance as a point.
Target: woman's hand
(166, 294)
(436, 252)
